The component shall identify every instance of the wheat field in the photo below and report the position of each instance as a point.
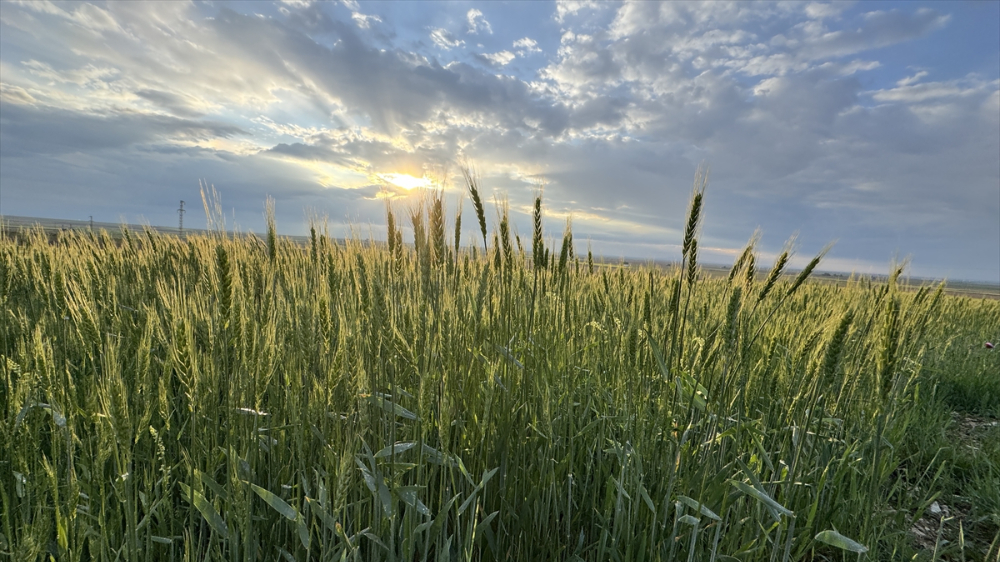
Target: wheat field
(229, 397)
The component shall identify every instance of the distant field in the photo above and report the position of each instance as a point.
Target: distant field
(12, 224)
(229, 397)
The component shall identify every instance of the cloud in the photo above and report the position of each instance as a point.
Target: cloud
(501, 58)
(365, 21)
(670, 69)
(733, 35)
(31, 130)
(255, 65)
(910, 90)
(42, 6)
(526, 46)
(444, 39)
(15, 94)
(879, 29)
(818, 10)
(566, 8)
(89, 75)
(777, 97)
(95, 18)
(477, 22)
(174, 103)
(911, 79)
(854, 66)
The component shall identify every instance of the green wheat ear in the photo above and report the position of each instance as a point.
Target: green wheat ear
(458, 228)
(567, 246)
(808, 269)
(692, 262)
(835, 349)
(745, 256)
(694, 211)
(750, 274)
(537, 243)
(438, 244)
(225, 279)
(772, 277)
(272, 230)
(503, 217)
(472, 181)
(390, 219)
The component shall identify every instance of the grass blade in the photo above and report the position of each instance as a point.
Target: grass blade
(206, 509)
(276, 503)
(774, 507)
(833, 538)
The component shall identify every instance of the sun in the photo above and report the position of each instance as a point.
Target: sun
(406, 181)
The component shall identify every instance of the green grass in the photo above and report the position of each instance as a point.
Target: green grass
(233, 398)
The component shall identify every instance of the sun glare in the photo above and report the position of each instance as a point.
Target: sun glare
(406, 181)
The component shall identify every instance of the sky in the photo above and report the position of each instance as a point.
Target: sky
(874, 125)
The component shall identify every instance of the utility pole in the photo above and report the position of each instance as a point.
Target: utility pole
(91, 223)
(180, 217)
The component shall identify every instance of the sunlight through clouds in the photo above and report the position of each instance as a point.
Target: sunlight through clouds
(406, 181)
(611, 105)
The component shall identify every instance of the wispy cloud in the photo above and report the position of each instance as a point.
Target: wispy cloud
(477, 22)
(501, 58)
(567, 8)
(365, 21)
(444, 39)
(526, 46)
(910, 90)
